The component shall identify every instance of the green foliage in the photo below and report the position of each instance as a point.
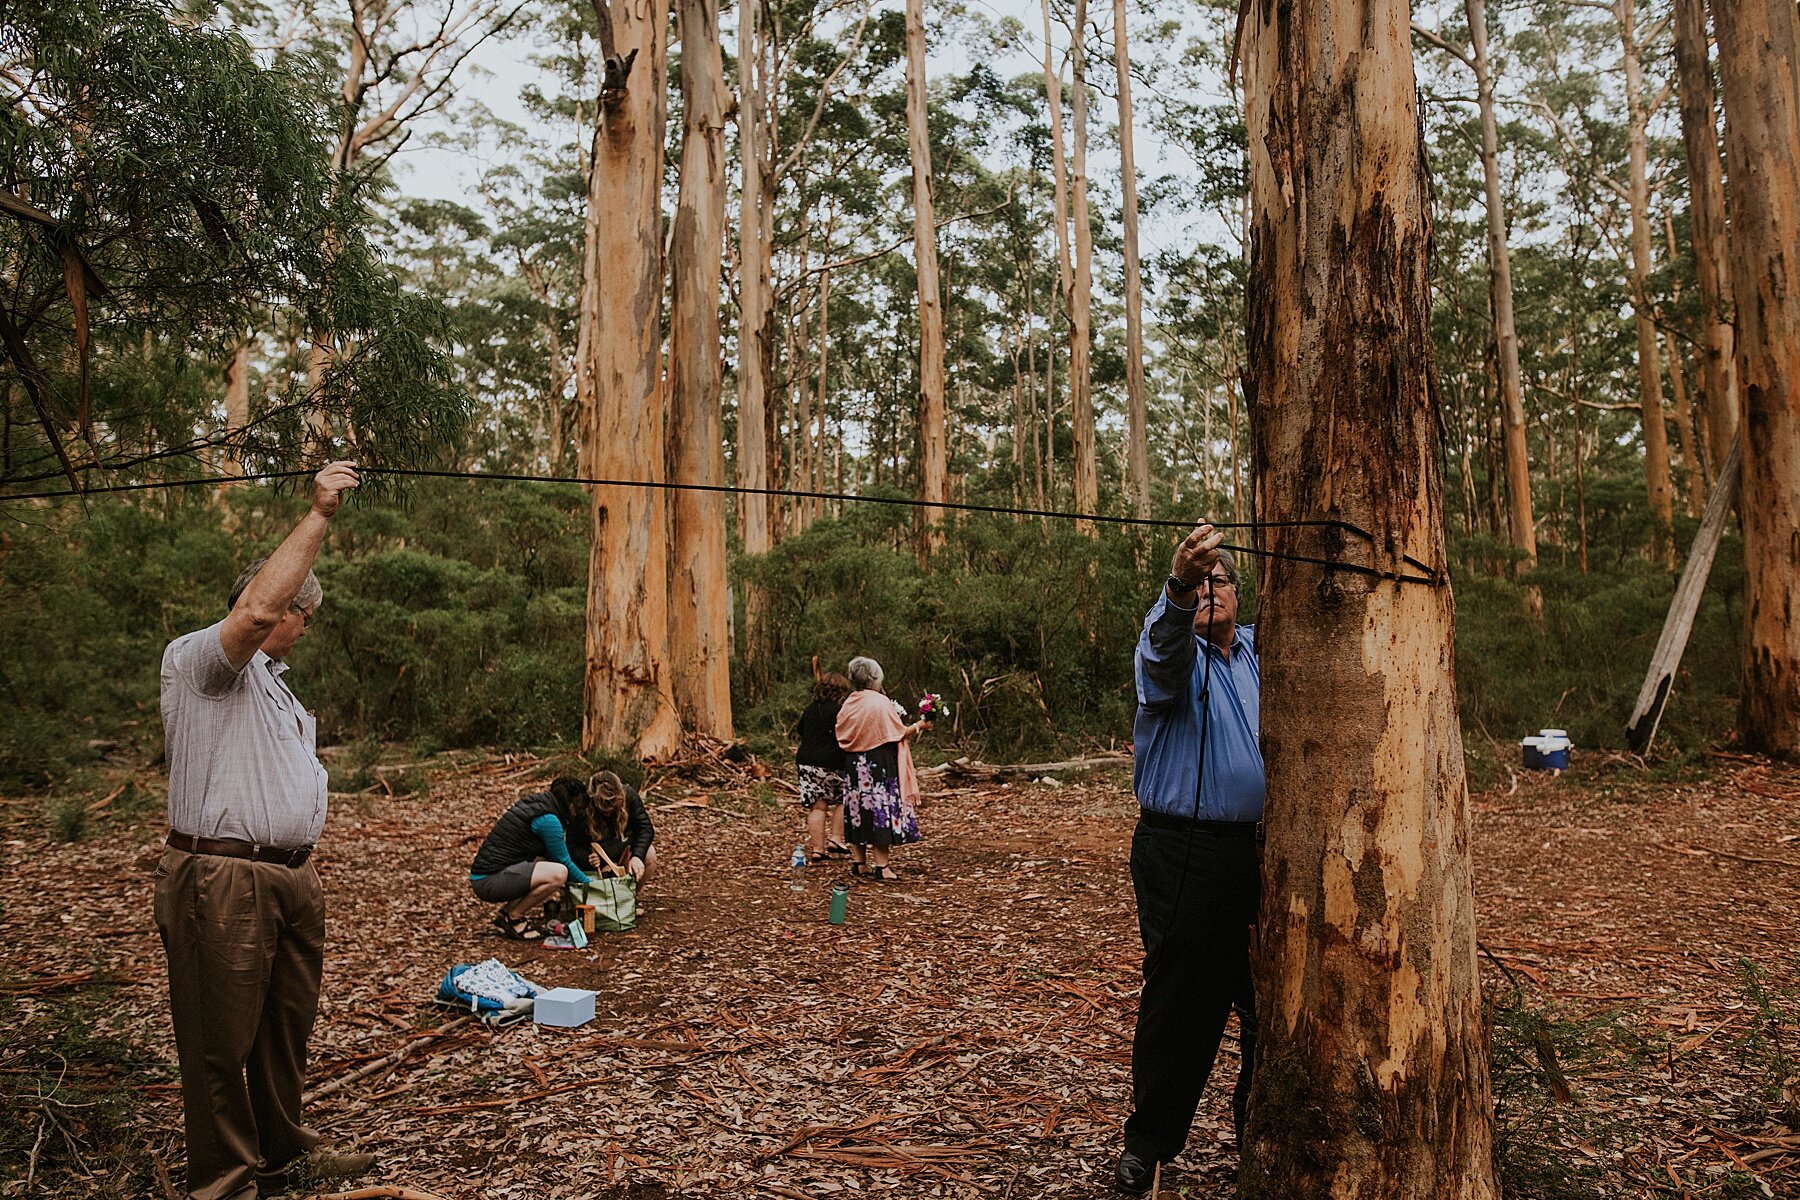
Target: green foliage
(190, 185)
(1579, 667)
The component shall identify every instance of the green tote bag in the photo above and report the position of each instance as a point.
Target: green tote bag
(613, 896)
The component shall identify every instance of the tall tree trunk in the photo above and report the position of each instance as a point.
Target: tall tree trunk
(1759, 70)
(1372, 1069)
(1522, 527)
(1706, 206)
(1693, 495)
(627, 703)
(699, 625)
(1081, 300)
(1136, 413)
(1065, 272)
(817, 483)
(1649, 357)
(932, 454)
(237, 407)
(753, 332)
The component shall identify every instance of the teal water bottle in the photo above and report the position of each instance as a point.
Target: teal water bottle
(840, 903)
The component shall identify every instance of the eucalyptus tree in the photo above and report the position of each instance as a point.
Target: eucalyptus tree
(1522, 525)
(1706, 206)
(164, 191)
(1759, 70)
(1372, 1072)
(699, 629)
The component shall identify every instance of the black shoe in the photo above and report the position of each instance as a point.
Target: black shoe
(1134, 1174)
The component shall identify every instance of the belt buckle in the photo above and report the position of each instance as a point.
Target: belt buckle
(297, 856)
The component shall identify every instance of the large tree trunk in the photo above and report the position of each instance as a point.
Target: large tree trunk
(1136, 412)
(1372, 1070)
(699, 625)
(932, 457)
(1081, 301)
(1759, 60)
(753, 376)
(627, 703)
(1521, 524)
(1649, 357)
(1065, 272)
(1706, 206)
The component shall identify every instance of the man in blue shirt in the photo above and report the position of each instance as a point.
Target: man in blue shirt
(1196, 853)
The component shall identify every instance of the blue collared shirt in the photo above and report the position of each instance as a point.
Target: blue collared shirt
(1166, 734)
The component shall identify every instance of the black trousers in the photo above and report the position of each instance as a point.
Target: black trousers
(1196, 970)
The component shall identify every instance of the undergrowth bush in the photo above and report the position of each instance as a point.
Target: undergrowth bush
(454, 617)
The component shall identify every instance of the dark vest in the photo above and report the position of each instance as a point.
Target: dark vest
(512, 839)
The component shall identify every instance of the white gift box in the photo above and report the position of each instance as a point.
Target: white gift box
(564, 1007)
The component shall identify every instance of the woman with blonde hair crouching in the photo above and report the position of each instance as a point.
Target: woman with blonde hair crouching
(619, 825)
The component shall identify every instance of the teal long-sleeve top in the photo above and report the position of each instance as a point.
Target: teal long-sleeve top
(532, 829)
(549, 829)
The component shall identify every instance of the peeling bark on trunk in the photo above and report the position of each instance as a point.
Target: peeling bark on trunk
(933, 459)
(1081, 300)
(1372, 1070)
(699, 629)
(1136, 418)
(1706, 206)
(1759, 69)
(753, 333)
(627, 703)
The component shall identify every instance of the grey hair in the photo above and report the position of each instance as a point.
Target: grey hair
(865, 673)
(308, 597)
(1230, 565)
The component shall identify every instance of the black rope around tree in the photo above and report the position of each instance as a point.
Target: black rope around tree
(1428, 575)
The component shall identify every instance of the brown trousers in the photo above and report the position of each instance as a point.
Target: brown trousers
(246, 949)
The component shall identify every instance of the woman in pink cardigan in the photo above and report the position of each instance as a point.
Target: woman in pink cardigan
(881, 806)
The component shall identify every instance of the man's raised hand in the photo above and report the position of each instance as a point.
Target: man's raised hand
(1195, 556)
(330, 485)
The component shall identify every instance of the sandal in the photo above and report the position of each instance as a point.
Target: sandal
(886, 874)
(518, 929)
(817, 860)
(837, 848)
(856, 868)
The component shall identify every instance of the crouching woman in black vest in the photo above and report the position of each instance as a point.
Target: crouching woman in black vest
(533, 851)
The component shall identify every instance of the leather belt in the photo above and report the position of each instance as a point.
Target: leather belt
(1242, 829)
(232, 848)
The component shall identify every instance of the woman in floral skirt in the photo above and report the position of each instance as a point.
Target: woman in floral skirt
(881, 805)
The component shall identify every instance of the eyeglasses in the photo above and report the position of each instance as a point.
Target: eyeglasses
(305, 615)
(1218, 581)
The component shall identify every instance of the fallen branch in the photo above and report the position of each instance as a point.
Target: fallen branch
(474, 1105)
(963, 768)
(386, 1061)
(384, 1192)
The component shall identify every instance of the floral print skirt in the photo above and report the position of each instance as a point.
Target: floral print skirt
(874, 812)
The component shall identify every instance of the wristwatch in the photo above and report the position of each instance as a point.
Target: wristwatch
(1177, 584)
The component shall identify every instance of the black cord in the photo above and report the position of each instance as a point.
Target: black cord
(1187, 850)
(1428, 575)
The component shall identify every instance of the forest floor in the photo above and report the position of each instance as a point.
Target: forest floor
(965, 1033)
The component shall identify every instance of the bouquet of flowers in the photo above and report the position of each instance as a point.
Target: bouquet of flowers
(931, 706)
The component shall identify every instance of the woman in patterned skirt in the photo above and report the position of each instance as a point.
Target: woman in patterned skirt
(881, 806)
(824, 768)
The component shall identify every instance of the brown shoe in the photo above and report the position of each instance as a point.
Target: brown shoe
(315, 1167)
